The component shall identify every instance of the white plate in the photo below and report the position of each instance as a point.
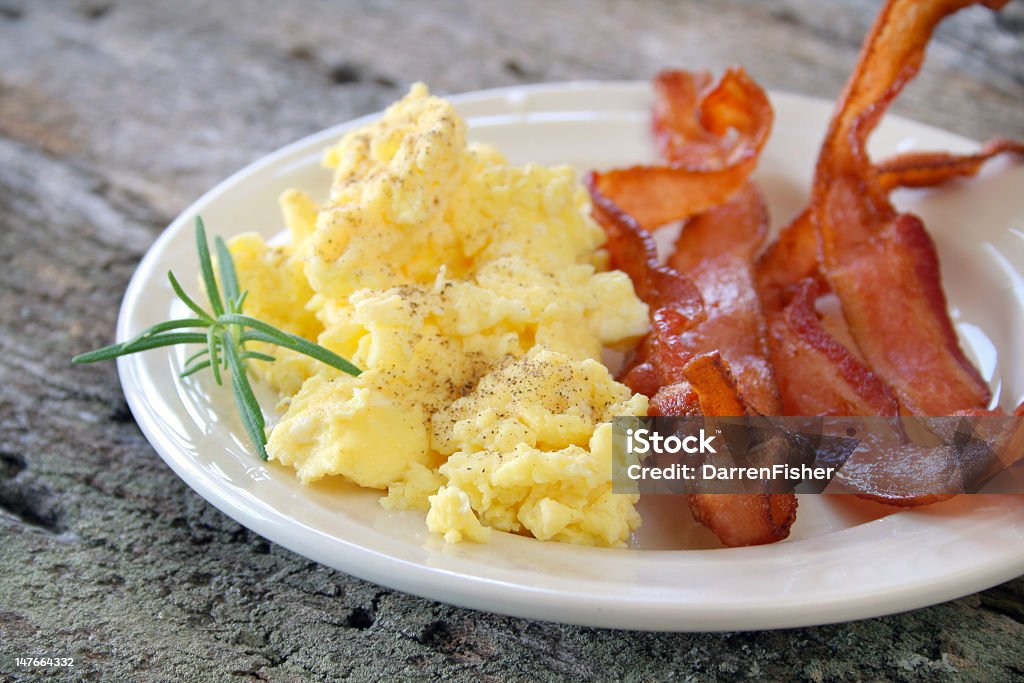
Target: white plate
(845, 560)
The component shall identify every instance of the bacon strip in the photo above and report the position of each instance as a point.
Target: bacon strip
(798, 336)
(702, 129)
(633, 251)
(903, 470)
(738, 519)
(742, 519)
(716, 250)
(882, 265)
(723, 314)
(817, 374)
(693, 117)
(674, 301)
(682, 380)
(926, 169)
(793, 256)
(681, 363)
(705, 166)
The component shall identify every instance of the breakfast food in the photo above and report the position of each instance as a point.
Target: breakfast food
(476, 299)
(706, 353)
(710, 134)
(751, 340)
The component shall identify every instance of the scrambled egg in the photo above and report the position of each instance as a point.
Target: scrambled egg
(476, 299)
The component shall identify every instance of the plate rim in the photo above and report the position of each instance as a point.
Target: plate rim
(521, 600)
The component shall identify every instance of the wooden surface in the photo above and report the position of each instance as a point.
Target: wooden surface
(114, 115)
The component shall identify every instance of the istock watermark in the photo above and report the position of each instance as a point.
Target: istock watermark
(892, 457)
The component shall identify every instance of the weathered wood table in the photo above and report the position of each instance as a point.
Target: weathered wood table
(114, 115)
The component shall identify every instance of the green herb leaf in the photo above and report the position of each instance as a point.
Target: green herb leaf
(166, 326)
(186, 299)
(248, 406)
(198, 354)
(241, 301)
(212, 340)
(294, 342)
(224, 338)
(256, 355)
(228, 276)
(115, 350)
(193, 369)
(206, 268)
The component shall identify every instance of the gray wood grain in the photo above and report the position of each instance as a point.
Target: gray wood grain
(114, 115)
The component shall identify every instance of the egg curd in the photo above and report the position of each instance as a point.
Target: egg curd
(476, 299)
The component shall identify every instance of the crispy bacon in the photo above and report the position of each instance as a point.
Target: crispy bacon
(911, 473)
(742, 519)
(680, 379)
(706, 353)
(896, 312)
(680, 363)
(878, 261)
(705, 165)
(882, 265)
(738, 519)
(723, 314)
(927, 169)
(632, 250)
(674, 301)
(716, 250)
(793, 256)
(693, 118)
(817, 374)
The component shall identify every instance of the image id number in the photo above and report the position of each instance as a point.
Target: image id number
(39, 662)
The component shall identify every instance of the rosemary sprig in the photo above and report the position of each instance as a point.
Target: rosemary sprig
(224, 330)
